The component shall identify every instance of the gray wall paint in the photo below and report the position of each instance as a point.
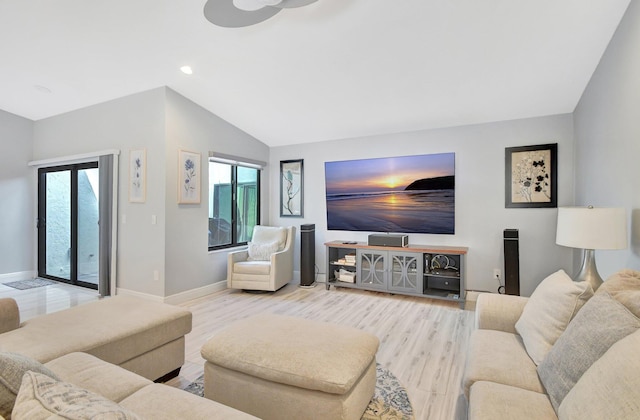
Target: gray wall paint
(134, 121)
(162, 121)
(480, 213)
(17, 202)
(607, 132)
(190, 127)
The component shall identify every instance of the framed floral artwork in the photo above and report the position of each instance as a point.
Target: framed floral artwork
(291, 188)
(189, 173)
(137, 175)
(531, 176)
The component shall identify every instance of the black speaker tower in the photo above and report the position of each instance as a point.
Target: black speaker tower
(307, 255)
(511, 262)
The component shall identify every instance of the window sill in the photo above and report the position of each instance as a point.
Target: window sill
(227, 250)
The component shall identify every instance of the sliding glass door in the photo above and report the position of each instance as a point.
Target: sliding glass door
(68, 230)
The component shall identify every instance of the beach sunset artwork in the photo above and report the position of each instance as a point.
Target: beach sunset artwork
(407, 194)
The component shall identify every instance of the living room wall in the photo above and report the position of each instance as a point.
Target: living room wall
(17, 206)
(608, 138)
(134, 121)
(162, 121)
(481, 215)
(188, 126)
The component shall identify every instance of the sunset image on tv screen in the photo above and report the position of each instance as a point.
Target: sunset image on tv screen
(406, 194)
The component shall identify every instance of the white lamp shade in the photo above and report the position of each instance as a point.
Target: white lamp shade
(592, 227)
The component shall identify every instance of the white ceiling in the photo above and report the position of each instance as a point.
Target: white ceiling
(330, 70)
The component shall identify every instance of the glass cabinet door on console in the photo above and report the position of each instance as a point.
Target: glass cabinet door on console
(372, 268)
(415, 270)
(405, 273)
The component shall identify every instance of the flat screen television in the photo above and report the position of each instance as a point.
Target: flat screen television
(406, 194)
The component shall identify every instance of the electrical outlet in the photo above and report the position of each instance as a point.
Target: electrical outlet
(156, 275)
(497, 274)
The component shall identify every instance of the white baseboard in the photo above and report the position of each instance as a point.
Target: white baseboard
(182, 297)
(178, 298)
(20, 275)
(127, 292)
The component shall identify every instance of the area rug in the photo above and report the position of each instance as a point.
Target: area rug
(390, 400)
(29, 284)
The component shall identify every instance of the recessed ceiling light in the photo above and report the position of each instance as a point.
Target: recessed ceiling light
(42, 89)
(186, 69)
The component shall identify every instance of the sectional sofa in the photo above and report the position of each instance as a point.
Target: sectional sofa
(139, 335)
(566, 352)
(98, 358)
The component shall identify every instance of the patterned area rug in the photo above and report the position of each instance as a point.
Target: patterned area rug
(29, 284)
(390, 400)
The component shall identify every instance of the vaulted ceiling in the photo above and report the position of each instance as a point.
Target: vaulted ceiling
(330, 70)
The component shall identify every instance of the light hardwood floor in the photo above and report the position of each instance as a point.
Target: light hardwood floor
(422, 341)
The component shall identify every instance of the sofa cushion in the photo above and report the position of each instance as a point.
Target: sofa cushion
(42, 397)
(261, 251)
(492, 401)
(252, 267)
(599, 324)
(547, 313)
(610, 388)
(9, 315)
(12, 368)
(159, 402)
(500, 357)
(93, 374)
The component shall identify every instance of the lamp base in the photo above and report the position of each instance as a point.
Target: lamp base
(588, 271)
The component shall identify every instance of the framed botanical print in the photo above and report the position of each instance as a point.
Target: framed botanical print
(189, 173)
(531, 178)
(291, 188)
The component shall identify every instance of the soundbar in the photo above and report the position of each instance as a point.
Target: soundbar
(388, 240)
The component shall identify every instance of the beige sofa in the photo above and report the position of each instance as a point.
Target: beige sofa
(588, 369)
(89, 387)
(81, 347)
(141, 336)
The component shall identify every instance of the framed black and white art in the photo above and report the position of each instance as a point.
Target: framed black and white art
(531, 176)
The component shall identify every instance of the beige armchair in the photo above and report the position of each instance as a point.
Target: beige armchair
(267, 263)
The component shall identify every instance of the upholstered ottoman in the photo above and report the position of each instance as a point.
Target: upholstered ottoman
(279, 367)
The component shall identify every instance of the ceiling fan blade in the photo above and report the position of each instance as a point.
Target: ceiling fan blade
(289, 4)
(224, 13)
(253, 5)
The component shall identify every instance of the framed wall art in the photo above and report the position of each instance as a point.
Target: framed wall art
(531, 176)
(189, 173)
(291, 188)
(137, 175)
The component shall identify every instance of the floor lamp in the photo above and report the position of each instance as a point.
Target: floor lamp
(591, 228)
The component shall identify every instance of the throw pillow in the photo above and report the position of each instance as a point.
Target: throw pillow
(261, 251)
(12, 368)
(624, 286)
(610, 388)
(548, 311)
(264, 234)
(599, 324)
(43, 397)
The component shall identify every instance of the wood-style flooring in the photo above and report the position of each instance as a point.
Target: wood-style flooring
(422, 341)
